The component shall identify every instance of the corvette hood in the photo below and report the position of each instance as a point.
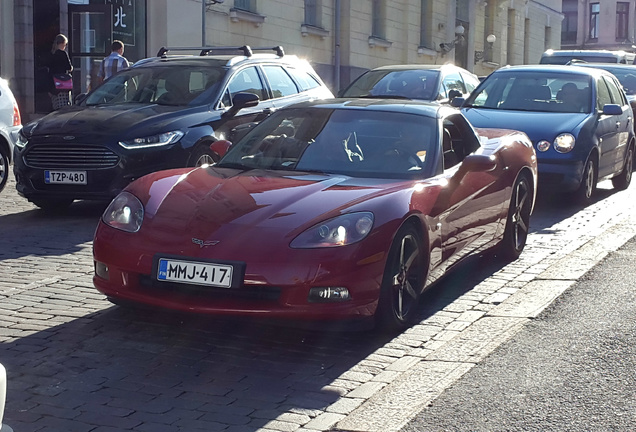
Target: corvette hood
(232, 204)
(536, 125)
(111, 119)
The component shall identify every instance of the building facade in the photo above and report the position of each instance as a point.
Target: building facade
(341, 38)
(595, 24)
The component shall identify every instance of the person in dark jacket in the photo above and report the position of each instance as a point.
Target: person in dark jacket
(59, 63)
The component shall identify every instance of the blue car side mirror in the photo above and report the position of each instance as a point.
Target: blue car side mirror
(612, 109)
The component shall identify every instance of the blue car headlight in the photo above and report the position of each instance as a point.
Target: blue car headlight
(339, 231)
(564, 143)
(153, 140)
(125, 213)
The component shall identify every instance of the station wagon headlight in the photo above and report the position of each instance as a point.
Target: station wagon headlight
(564, 143)
(339, 231)
(125, 213)
(153, 140)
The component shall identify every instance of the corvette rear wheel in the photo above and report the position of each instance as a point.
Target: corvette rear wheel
(622, 181)
(402, 282)
(518, 221)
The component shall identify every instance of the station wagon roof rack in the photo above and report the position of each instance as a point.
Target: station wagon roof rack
(246, 49)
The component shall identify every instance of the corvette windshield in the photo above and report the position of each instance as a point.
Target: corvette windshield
(352, 142)
(534, 91)
(167, 85)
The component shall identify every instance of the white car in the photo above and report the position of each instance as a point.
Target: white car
(10, 124)
(3, 394)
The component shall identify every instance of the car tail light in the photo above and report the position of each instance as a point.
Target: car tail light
(17, 121)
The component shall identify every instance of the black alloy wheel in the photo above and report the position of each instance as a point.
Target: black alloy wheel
(518, 221)
(402, 282)
(622, 181)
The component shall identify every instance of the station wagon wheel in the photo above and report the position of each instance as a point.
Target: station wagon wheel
(518, 221)
(622, 181)
(588, 184)
(203, 155)
(4, 167)
(402, 282)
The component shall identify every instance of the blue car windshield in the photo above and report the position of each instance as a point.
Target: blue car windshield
(372, 144)
(166, 85)
(534, 91)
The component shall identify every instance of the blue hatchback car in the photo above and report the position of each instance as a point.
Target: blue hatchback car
(578, 119)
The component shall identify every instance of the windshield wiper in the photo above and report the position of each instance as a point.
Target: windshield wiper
(234, 165)
(382, 96)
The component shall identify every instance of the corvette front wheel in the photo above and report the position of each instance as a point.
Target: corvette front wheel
(402, 282)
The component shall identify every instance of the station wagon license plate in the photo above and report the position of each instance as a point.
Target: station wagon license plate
(65, 177)
(195, 273)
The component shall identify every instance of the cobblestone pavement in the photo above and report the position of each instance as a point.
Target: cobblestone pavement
(77, 363)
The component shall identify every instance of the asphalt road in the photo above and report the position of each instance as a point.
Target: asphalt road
(570, 369)
(77, 363)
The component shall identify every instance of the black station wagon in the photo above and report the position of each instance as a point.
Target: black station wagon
(164, 112)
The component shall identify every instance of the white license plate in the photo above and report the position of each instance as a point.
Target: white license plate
(65, 177)
(195, 273)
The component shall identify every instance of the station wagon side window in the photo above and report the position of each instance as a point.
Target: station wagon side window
(280, 82)
(246, 80)
(304, 79)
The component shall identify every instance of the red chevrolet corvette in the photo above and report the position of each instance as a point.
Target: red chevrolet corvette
(326, 210)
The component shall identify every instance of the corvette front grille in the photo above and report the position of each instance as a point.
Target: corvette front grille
(71, 157)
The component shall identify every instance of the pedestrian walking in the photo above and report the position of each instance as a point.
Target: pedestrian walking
(59, 76)
(113, 63)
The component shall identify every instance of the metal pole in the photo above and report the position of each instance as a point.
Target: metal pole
(336, 36)
(203, 23)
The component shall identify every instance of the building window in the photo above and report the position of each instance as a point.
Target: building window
(595, 10)
(246, 5)
(378, 13)
(622, 20)
(489, 25)
(312, 13)
(570, 21)
(425, 24)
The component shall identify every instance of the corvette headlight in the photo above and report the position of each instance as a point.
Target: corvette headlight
(153, 140)
(21, 141)
(339, 231)
(125, 213)
(564, 143)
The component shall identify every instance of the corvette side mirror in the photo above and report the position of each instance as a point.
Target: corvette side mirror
(479, 163)
(220, 147)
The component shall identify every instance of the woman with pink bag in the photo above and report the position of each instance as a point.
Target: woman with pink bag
(60, 68)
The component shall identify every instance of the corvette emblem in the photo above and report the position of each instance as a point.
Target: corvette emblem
(202, 243)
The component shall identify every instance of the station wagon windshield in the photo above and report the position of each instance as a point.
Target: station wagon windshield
(168, 85)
